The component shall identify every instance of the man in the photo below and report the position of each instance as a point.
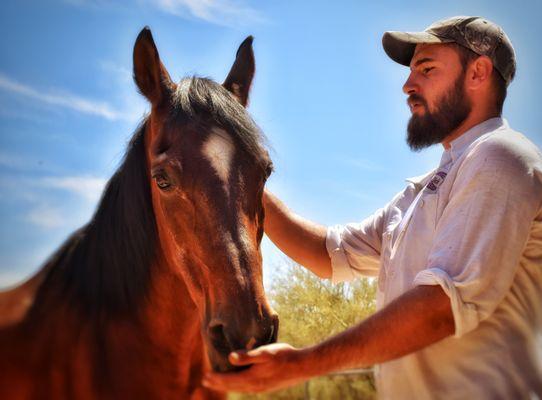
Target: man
(458, 253)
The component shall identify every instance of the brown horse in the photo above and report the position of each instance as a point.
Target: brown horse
(165, 280)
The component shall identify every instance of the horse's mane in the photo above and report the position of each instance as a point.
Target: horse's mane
(105, 265)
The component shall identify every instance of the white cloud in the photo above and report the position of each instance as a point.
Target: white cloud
(88, 187)
(46, 209)
(221, 12)
(125, 90)
(64, 99)
(46, 216)
(123, 74)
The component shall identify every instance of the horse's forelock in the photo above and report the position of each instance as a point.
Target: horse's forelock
(203, 98)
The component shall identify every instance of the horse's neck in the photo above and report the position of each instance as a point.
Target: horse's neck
(168, 347)
(169, 313)
(161, 348)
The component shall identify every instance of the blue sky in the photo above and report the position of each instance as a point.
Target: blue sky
(325, 94)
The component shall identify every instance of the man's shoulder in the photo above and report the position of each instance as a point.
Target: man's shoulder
(505, 147)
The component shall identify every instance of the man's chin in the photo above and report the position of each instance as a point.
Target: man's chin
(419, 133)
(418, 111)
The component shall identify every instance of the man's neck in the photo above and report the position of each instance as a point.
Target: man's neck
(471, 121)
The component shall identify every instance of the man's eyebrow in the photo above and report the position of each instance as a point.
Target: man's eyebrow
(423, 60)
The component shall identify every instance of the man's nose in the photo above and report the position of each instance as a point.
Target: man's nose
(410, 86)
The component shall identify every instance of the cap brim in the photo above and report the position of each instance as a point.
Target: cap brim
(400, 46)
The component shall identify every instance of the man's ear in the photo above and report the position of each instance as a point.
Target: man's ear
(479, 72)
(240, 77)
(150, 75)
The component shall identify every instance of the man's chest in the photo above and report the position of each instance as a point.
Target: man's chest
(409, 234)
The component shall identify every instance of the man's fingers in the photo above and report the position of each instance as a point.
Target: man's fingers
(266, 372)
(249, 357)
(239, 358)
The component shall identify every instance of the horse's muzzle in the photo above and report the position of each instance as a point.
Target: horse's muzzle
(223, 340)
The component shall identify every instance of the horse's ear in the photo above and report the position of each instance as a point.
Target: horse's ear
(150, 75)
(240, 77)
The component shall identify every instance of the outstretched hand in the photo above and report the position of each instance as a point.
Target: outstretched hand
(273, 367)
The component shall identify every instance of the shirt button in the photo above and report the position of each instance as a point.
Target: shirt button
(421, 203)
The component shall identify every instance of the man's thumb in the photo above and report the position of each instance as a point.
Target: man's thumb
(248, 357)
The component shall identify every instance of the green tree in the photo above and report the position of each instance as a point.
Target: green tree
(310, 310)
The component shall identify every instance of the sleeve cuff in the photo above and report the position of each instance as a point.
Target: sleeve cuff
(340, 268)
(465, 314)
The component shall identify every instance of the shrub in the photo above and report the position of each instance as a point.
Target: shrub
(310, 310)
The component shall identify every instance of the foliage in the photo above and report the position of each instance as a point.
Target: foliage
(310, 310)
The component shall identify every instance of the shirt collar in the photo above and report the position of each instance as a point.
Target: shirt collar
(459, 145)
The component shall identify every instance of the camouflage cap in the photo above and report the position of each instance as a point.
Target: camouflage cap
(475, 33)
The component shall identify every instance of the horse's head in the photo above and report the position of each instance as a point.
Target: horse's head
(208, 169)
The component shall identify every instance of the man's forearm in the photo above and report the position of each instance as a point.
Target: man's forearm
(300, 239)
(418, 318)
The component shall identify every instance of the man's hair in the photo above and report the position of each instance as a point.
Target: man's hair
(466, 56)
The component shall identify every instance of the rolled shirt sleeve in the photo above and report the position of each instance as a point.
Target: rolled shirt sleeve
(355, 248)
(482, 232)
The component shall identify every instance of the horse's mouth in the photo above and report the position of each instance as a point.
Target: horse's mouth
(227, 367)
(220, 362)
(224, 365)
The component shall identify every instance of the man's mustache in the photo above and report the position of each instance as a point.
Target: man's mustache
(416, 99)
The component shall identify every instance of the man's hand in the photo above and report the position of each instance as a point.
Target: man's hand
(274, 366)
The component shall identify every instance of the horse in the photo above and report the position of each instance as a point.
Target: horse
(166, 278)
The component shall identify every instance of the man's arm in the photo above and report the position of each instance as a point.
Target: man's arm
(302, 240)
(418, 318)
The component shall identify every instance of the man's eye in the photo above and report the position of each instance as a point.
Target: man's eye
(425, 71)
(162, 181)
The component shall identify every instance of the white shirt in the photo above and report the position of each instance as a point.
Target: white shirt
(474, 227)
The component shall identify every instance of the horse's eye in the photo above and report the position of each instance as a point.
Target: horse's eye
(269, 170)
(162, 180)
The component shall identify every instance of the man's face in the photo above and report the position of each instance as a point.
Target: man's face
(436, 95)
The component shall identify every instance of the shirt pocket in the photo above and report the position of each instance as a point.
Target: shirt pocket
(409, 248)
(412, 251)
(424, 219)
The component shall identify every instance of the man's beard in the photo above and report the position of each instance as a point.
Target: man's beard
(433, 127)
